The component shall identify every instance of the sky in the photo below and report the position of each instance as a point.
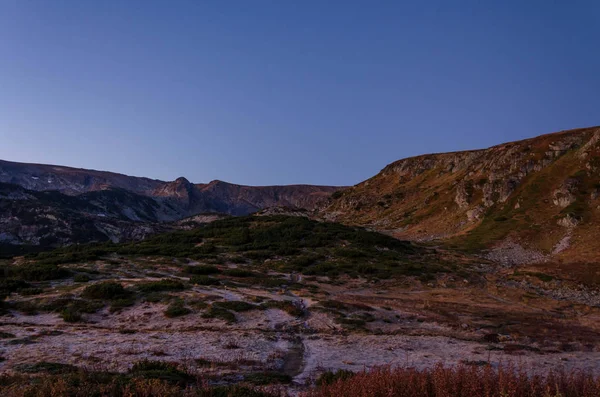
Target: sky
(283, 92)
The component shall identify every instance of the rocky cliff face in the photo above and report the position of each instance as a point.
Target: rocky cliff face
(537, 192)
(54, 219)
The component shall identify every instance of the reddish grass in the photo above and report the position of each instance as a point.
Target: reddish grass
(462, 381)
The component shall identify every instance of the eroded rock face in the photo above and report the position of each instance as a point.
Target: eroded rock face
(475, 213)
(565, 195)
(569, 221)
(462, 197)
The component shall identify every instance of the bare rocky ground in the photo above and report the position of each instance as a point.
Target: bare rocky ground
(514, 316)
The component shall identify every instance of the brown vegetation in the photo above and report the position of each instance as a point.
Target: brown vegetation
(462, 381)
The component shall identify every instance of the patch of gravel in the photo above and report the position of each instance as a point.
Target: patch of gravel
(557, 290)
(510, 253)
(358, 352)
(563, 244)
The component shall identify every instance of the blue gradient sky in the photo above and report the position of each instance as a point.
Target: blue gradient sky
(280, 92)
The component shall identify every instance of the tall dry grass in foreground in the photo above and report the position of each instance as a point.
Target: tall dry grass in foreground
(440, 381)
(461, 381)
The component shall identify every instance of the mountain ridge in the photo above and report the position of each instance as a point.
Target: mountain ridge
(120, 207)
(539, 192)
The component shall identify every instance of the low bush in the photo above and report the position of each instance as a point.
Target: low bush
(177, 309)
(70, 315)
(39, 272)
(330, 377)
(267, 378)
(31, 291)
(269, 282)
(121, 303)
(105, 290)
(202, 270)
(239, 273)
(81, 278)
(8, 286)
(162, 285)
(214, 311)
(161, 370)
(236, 306)
(155, 297)
(80, 305)
(204, 280)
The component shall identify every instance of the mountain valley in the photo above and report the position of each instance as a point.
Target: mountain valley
(476, 261)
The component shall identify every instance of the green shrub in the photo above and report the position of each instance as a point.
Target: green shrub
(31, 291)
(241, 273)
(238, 259)
(202, 270)
(155, 297)
(214, 311)
(330, 377)
(269, 282)
(161, 370)
(7, 286)
(81, 278)
(259, 255)
(29, 308)
(69, 309)
(177, 309)
(204, 280)
(236, 306)
(105, 290)
(39, 272)
(85, 306)
(366, 269)
(337, 194)
(70, 315)
(267, 378)
(121, 303)
(162, 285)
(303, 261)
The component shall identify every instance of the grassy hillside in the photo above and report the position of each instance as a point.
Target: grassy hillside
(542, 193)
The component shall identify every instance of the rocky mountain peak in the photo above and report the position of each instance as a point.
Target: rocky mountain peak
(182, 181)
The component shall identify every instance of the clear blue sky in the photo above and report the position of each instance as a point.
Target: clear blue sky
(281, 91)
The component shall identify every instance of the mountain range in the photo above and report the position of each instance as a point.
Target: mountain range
(56, 205)
(533, 200)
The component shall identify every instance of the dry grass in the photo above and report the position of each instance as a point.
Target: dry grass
(84, 384)
(462, 381)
